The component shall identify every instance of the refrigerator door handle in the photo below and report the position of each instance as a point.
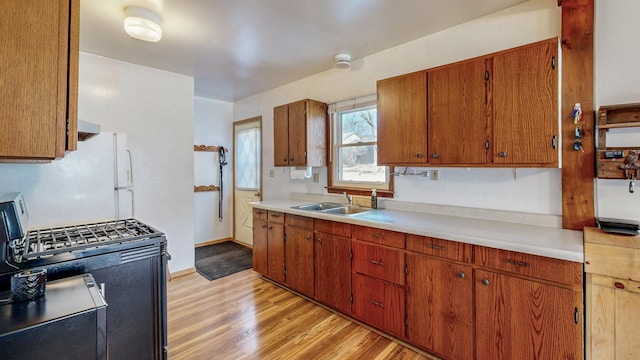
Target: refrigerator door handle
(130, 169)
(133, 203)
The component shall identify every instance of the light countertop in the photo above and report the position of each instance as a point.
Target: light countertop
(531, 239)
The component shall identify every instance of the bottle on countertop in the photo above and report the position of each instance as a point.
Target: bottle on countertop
(374, 199)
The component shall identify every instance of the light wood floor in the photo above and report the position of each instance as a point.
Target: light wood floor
(243, 316)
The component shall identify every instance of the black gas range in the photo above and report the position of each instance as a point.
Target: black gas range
(127, 258)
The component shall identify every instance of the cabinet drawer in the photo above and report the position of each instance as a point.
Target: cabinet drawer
(276, 217)
(379, 304)
(378, 262)
(566, 272)
(614, 261)
(332, 227)
(299, 221)
(444, 248)
(379, 236)
(260, 214)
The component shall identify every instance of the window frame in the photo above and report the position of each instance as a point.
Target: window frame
(333, 184)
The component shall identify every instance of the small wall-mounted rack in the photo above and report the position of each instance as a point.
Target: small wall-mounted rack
(611, 160)
(207, 148)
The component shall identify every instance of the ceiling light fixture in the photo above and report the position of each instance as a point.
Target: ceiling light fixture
(343, 61)
(142, 24)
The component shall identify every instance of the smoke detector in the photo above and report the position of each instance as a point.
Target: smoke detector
(343, 61)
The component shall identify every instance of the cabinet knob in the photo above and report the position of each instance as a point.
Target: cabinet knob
(319, 240)
(284, 160)
(270, 227)
(502, 154)
(485, 281)
(419, 155)
(308, 237)
(461, 275)
(435, 155)
(291, 159)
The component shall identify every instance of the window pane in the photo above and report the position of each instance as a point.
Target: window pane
(359, 126)
(247, 158)
(358, 163)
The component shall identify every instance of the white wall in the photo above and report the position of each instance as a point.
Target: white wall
(617, 77)
(155, 109)
(212, 125)
(528, 190)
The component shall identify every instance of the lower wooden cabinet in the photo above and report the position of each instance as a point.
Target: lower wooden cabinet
(457, 301)
(440, 306)
(332, 271)
(526, 319)
(379, 303)
(613, 295)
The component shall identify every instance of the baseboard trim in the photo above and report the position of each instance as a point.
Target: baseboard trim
(211, 242)
(183, 272)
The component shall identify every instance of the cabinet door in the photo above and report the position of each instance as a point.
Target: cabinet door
(379, 304)
(34, 56)
(525, 103)
(260, 246)
(281, 135)
(297, 134)
(332, 277)
(299, 259)
(402, 119)
(524, 319)
(613, 310)
(275, 252)
(440, 306)
(457, 114)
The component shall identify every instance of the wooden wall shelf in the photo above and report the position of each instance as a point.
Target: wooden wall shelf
(208, 148)
(203, 188)
(615, 117)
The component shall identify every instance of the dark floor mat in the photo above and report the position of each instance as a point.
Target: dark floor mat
(219, 260)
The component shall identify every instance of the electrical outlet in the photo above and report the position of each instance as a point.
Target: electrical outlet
(272, 172)
(433, 174)
(316, 177)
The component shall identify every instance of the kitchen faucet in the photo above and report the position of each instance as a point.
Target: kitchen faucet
(349, 197)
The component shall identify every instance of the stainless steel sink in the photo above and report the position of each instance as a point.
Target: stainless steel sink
(347, 210)
(318, 206)
(332, 208)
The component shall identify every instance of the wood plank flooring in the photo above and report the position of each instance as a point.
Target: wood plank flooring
(243, 316)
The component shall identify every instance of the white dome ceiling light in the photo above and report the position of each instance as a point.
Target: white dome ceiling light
(142, 24)
(343, 61)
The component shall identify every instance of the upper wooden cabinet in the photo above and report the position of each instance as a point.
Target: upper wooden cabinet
(402, 120)
(458, 113)
(525, 105)
(496, 110)
(39, 80)
(299, 134)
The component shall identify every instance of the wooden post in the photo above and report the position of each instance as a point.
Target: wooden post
(578, 167)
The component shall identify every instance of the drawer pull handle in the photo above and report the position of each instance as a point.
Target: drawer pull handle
(275, 215)
(436, 247)
(485, 281)
(377, 235)
(376, 303)
(375, 262)
(519, 263)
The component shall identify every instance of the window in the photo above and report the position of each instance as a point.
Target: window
(354, 151)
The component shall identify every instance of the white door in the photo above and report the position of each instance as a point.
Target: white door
(247, 175)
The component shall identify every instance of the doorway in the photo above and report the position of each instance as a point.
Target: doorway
(247, 176)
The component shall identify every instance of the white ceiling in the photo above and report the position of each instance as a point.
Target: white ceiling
(238, 48)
